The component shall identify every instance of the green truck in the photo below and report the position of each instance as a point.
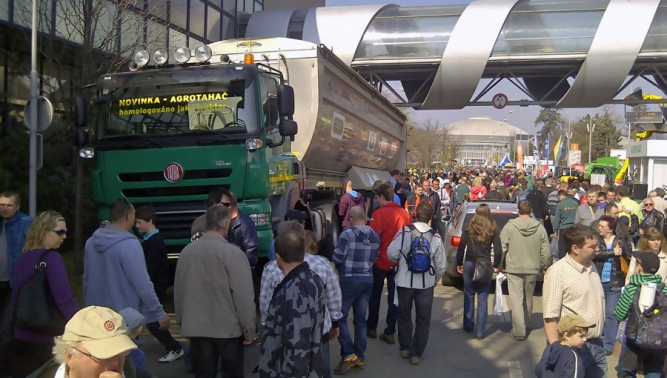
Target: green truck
(226, 115)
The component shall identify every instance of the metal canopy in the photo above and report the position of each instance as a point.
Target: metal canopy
(557, 53)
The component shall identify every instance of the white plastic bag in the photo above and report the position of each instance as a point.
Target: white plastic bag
(500, 303)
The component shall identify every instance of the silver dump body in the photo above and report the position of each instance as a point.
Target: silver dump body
(343, 121)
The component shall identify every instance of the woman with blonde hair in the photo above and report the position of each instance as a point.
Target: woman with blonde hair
(479, 235)
(31, 349)
(652, 241)
(478, 190)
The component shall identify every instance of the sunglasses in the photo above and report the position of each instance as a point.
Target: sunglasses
(62, 232)
(226, 204)
(648, 204)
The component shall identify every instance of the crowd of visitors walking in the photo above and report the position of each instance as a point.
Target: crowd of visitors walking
(596, 247)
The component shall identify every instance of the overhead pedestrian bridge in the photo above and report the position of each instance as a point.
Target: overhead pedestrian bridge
(565, 54)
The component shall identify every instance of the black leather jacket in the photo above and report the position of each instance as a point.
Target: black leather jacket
(243, 234)
(617, 275)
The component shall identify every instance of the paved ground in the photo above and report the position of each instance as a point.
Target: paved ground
(450, 352)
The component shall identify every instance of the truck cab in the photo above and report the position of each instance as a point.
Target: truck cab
(165, 137)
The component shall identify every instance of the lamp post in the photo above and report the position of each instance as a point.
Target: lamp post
(591, 128)
(32, 181)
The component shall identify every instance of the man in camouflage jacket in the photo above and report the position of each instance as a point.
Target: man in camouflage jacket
(292, 337)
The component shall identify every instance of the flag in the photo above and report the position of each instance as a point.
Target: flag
(546, 149)
(558, 150)
(536, 154)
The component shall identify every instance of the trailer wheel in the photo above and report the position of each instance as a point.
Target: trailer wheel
(328, 244)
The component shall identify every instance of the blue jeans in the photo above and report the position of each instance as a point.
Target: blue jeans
(594, 358)
(631, 357)
(326, 356)
(356, 297)
(611, 297)
(469, 290)
(379, 276)
(164, 337)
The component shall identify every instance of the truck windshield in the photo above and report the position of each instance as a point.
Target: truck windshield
(190, 108)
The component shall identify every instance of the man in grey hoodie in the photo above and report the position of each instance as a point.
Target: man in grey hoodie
(115, 276)
(525, 253)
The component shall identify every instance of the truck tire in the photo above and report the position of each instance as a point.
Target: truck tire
(451, 281)
(328, 244)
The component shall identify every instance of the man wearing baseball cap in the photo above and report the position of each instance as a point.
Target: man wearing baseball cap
(94, 345)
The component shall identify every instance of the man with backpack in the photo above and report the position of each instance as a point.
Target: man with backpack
(645, 343)
(521, 192)
(418, 251)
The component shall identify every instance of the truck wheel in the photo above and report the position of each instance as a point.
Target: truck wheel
(451, 281)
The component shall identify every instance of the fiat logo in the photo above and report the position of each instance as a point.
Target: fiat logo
(173, 172)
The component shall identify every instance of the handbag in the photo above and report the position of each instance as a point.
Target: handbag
(483, 270)
(35, 308)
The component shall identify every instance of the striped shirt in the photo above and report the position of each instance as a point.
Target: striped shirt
(572, 288)
(627, 296)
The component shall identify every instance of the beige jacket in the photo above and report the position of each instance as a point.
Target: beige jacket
(662, 271)
(213, 290)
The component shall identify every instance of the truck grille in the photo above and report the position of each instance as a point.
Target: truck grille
(134, 193)
(188, 175)
(175, 219)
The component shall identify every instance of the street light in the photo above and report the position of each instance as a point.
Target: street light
(32, 181)
(590, 128)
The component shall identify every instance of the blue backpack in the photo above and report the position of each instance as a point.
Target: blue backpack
(522, 195)
(418, 258)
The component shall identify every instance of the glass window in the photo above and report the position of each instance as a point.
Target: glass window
(259, 5)
(104, 28)
(176, 40)
(197, 17)
(249, 6)
(269, 98)
(193, 43)
(213, 25)
(240, 5)
(132, 32)
(179, 13)
(156, 37)
(4, 10)
(217, 3)
(228, 27)
(68, 25)
(158, 8)
(229, 6)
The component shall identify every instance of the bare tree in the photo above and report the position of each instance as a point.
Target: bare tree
(85, 40)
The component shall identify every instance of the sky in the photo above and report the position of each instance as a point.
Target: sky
(522, 117)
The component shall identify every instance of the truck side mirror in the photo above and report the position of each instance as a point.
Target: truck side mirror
(81, 111)
(285, 101)
(288, 128)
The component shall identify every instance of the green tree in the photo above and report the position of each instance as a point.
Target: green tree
(606, 134)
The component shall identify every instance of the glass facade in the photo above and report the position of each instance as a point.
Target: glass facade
(118, 28)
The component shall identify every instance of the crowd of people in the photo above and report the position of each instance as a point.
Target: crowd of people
(589, 241)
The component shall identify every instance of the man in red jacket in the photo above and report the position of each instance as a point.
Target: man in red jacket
(387, 220)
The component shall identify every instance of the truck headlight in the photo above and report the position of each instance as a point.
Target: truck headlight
(142, 58)
(87, 153)
(260, 219)
(182, 55)
(203, 53)
(160, 56)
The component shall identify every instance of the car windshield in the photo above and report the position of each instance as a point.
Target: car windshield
(501, 218)
(223, 107)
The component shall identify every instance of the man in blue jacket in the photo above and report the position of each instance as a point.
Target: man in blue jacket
(12, 238)
(115, 275)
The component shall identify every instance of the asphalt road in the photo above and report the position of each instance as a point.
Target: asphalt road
(450, 351)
